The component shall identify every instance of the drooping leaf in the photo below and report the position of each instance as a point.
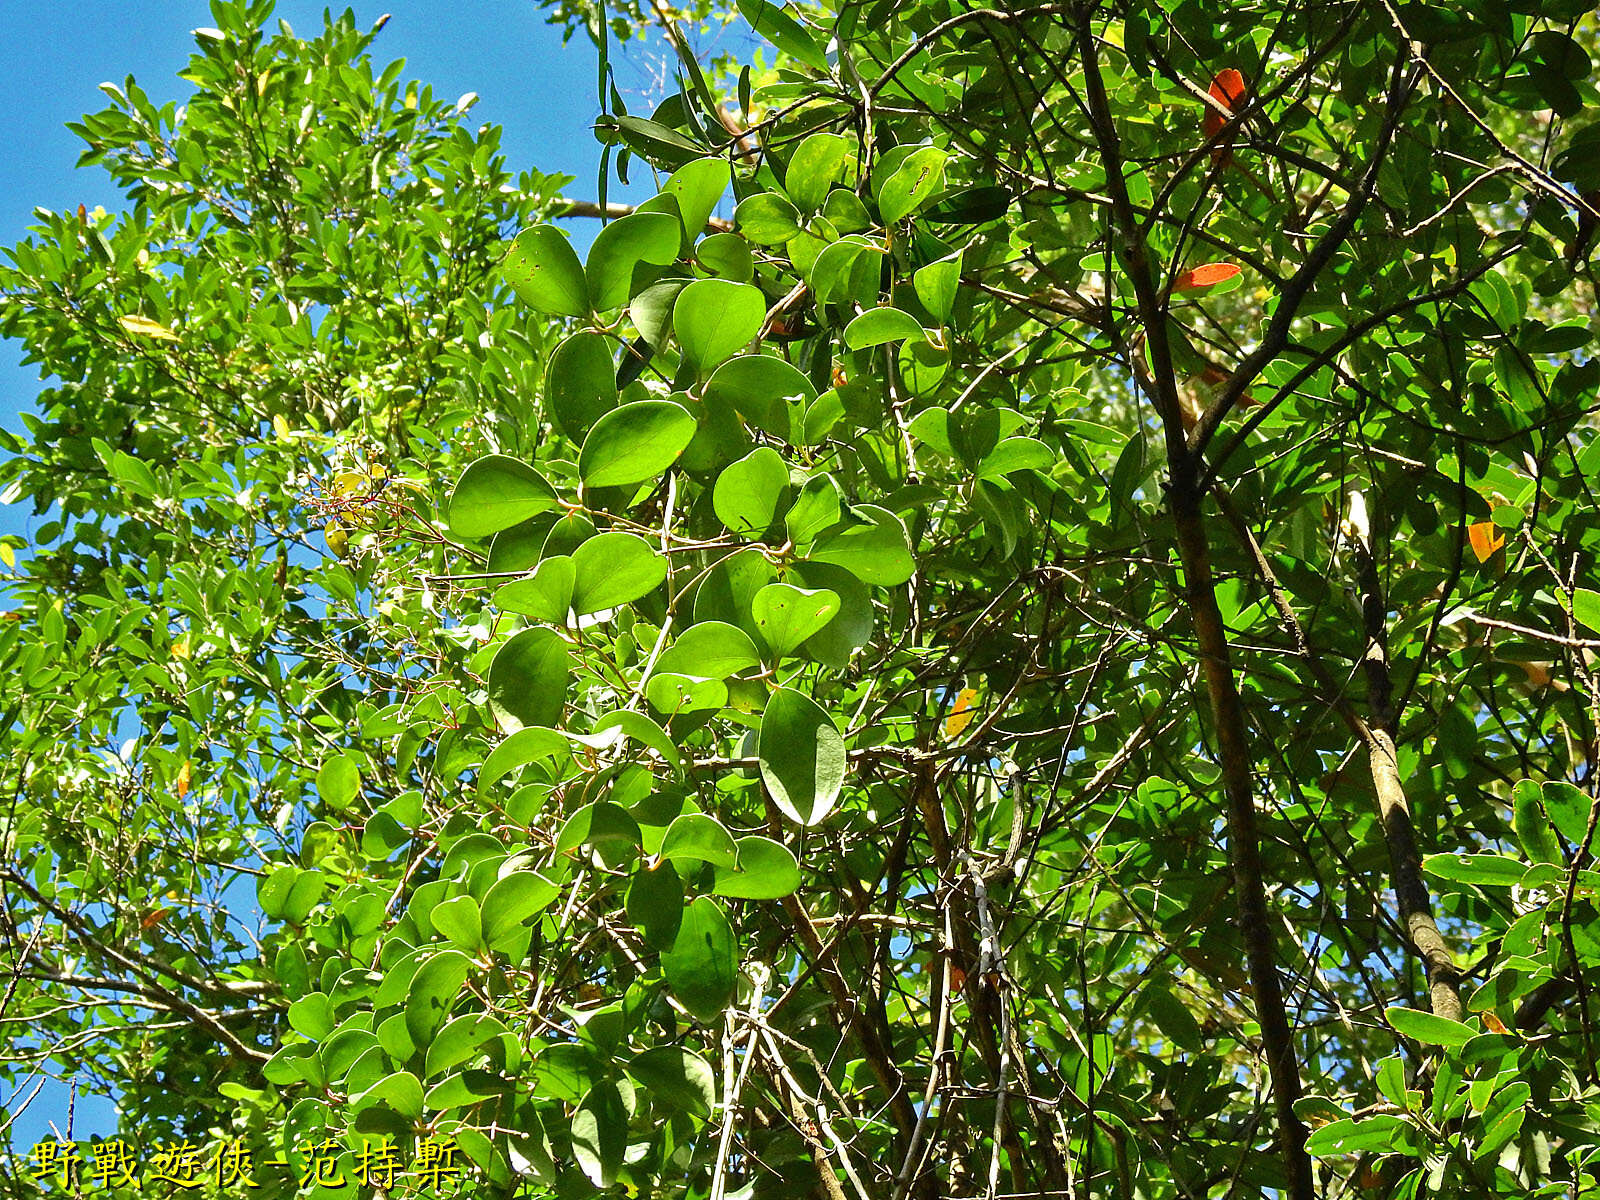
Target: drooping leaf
(802, 756)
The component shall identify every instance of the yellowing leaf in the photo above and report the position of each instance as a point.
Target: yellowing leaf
(1486, 538)
(180, 648)
(961, 715)
(8, 554)
(145, 327)
(351, 483)
(1492, 1023)
(280, 426)
(338, 540)
(185, 778)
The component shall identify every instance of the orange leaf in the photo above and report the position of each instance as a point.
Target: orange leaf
(185, 777)
(1228, 89)
(1485, 539)
(1203, 277)
(961, 715)
(1493, 1023)
(155, 918)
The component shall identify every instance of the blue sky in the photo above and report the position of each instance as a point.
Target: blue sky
(54, 56)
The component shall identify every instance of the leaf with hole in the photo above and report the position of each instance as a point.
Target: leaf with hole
(543, 269)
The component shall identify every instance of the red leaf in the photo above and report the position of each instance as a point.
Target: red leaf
(1227, 88)
(1203, 277)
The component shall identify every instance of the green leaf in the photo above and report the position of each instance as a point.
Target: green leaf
(400, 1092)
(936, 284)
(1568, 808)
(727, 255)
(523, 747)
(802, 756)
(1429, 1029)
(877, 552)
(702, 965)
(432, 993)
(580, 384)
(698, 186)
(459, 921)
(672, 693)
(676, 1076)
(1383, 1133)
(495, 493)
(460, 1038)
(784, 32)
(763, 389)
(700, 838)
(620, 246)
(600, 1130)
(659, 143)
(1016, 454)
(1494, 870)
(511, 901)
(767, 870)
(879, 325)
(1586, 607)
(786, 616)
(910, 186)
(651, 313)
(543, 269)
(816, 165)
(311, 1016)
(643, 730)
(655, 904)
(545, 596)
(767, 219)
(832, 274)
(339, 780)
(635, 442)
(851, 629)
(528, 680)
(615, 569)
(710, 649)
(715, 318)
(748, 492)
(1530, 823)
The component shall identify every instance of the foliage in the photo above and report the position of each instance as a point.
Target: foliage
(1056, 654)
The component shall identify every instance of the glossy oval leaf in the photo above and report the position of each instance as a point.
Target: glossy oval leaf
(494, 493)
(877, 326)
(635, 442)
(700, 838)
(767, 870)
(748, 492)
(802, 756)
(677, 1076)
(786, 616)
(711, 649)
(528, 680)
(543, 269)
(620, 246)
(703, 964)
(767, 219)
(580, 384)
(877, 552)
(432, 992)
(546, 595)
(614, 569)
(715, 318)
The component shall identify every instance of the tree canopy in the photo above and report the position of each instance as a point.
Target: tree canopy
(1026, 625)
